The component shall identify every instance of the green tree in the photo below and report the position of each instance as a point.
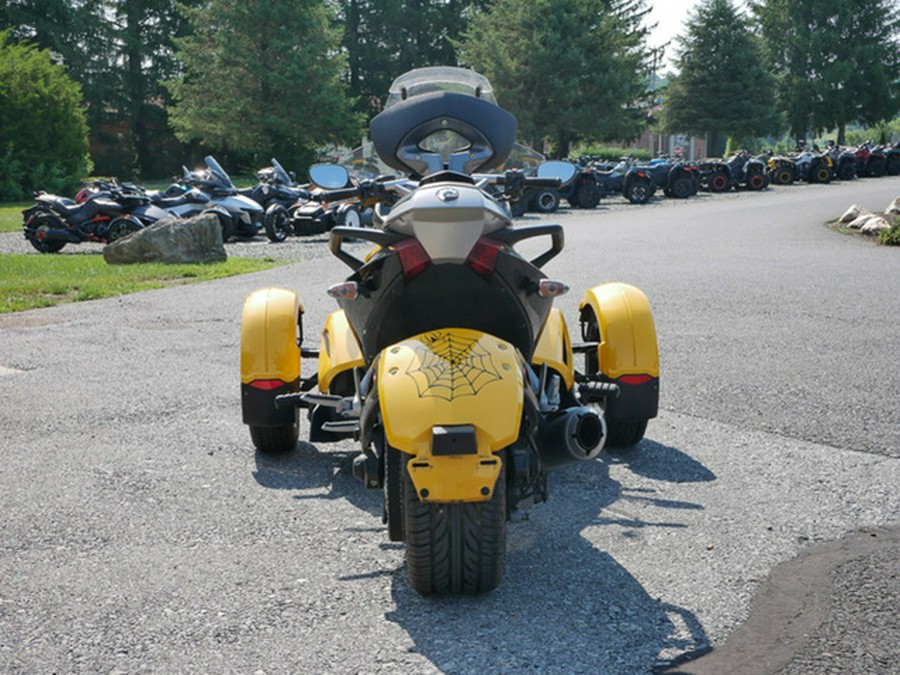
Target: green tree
(120, 51)
(43, 132)
(385, 38)
(836, 62)
(722, 88)
(263, 79)
(569, 70)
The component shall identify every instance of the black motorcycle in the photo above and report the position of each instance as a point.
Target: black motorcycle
(104, 216)
(280, 195)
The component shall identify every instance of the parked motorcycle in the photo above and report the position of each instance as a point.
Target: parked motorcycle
(625, 178)
(279, 195)
(211, 190)
(105, 214)
(446, 359)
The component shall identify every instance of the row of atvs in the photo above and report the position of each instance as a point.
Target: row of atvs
(639, 181)
(106, 210)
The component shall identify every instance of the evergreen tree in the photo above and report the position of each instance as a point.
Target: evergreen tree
(263, 79)
(568, 69)
(43, 132)
(723, 87)
(385, 38)
(836, 62)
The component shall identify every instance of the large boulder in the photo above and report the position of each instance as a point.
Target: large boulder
(860, 222)
(893, 209)
(875, 225)
(853, 213)
(171, 240)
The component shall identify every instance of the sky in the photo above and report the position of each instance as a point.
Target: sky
(670, 15)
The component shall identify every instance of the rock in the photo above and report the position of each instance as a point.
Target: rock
(893, 209)
(171, 240)
(861, 221)
(852, 214)
(875, 225)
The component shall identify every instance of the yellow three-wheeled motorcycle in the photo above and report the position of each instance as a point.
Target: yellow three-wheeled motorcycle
(446, 359)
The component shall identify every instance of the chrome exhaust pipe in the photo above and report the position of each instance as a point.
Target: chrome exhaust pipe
(572, 435)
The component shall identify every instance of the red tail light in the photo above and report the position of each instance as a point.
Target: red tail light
(483, 257)
(267, 385)
(635, 379)
(413, 257)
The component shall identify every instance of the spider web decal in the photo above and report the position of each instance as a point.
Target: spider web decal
(449, 366)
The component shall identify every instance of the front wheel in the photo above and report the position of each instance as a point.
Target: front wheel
(277, 223)
(682, 187)
(718, 181)
(756, 180)
(122, 227)
(454, 549)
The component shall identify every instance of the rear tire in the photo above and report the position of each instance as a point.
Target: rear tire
(588, 195)
(718, 182)
(42, 223)
(847, 171)
(756, 180)
(682, 187)
(545, 200)
(275, 440)
(621, 434)
(122, 227)
(783, 176)
(639, 191)
(455, 548)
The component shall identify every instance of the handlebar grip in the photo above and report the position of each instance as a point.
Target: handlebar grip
(543, 182)
(337, 195)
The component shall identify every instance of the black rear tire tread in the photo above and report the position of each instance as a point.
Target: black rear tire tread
(624, 433)
(457, 549)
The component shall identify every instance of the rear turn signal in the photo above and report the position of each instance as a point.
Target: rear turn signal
(349, 290)
(549, 288)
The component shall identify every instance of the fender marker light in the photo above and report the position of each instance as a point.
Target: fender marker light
(349, 290)
(549, 288)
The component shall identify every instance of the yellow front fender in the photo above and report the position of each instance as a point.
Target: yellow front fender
(445, 381)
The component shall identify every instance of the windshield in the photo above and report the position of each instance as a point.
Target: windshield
(216, 173)
(281, 176)
(439, 78)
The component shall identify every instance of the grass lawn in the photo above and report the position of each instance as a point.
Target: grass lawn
(11, 216)
(28, 281)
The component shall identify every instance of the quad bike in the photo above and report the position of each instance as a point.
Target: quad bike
(780, 168)
(738, 171)
(446, 359)
(677, 179)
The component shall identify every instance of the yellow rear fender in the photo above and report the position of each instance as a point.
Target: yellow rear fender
(619, 317)
(450, 399)
(339, 352)
(271, 328)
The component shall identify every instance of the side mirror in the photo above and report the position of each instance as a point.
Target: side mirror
(564, 171)
(329, 176)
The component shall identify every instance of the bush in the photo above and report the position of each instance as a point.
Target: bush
(43, 131)
(612, 154)
(891, 237)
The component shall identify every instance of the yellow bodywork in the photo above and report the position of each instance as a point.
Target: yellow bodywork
(451, 377)
(269, 349)
(555, 349)
(338, 349)
(628, 335)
